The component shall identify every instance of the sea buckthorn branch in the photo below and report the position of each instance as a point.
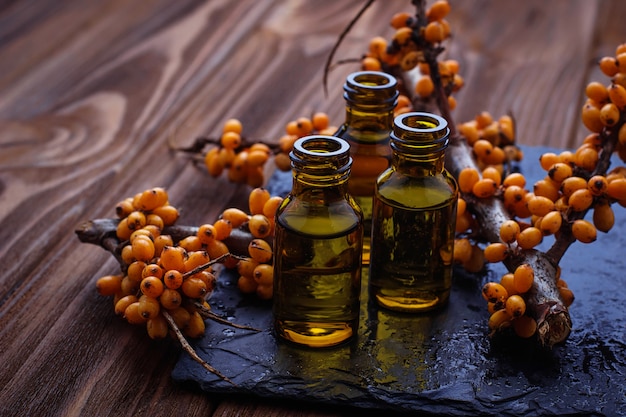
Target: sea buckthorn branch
(166, 270)
(553, 209)
(609, 139)
(242, 160)
(542, 300)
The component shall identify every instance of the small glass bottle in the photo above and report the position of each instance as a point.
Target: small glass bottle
(413, 221)
(370, 97)
(317, 247)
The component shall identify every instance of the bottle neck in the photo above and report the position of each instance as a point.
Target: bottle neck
(418, 142)
(320, 163)
(319, 189)
(368, 118)
(417, 164)
(370, 97)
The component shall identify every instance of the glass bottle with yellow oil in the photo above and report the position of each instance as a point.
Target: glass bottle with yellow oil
(413, 220)
(317, 248)
(370, 97)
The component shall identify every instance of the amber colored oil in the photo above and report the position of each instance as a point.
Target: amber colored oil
(369, 159)
(316, 301)
(411, 263)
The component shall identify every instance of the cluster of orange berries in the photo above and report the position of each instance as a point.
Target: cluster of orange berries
(506, 300)
(506, 303)
(605, 104)
(318, 123)
(164, 276)
(243, 164)
(451, 80)
(405, 50)
(572, 186)
(492, 140)
(493, 144)
(160, 276)
(255, 269)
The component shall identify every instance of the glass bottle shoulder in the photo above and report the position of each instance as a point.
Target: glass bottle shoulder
(316, 217)
(365, 134)
(419, 192)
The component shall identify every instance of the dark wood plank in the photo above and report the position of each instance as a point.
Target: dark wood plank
(92, 92)
(76, 139)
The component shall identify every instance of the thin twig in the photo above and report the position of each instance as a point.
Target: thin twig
(212, 262)
(339, 40)
(190, 350)
(206, 313)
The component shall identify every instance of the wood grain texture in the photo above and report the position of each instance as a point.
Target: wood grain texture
(92, 92)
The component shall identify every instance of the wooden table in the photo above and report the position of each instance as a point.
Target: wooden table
(92, 92)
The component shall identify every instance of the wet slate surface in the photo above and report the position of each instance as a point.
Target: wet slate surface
(440, 363)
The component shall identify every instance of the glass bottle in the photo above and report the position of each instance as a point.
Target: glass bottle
(317, 247)
(370, 97)
(413, 220)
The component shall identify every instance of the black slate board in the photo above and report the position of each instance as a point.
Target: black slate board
(443, 362)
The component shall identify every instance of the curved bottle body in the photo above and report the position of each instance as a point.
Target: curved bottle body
(317, 260)
(413, 222)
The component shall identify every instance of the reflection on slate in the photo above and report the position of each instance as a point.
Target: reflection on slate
(441, 362)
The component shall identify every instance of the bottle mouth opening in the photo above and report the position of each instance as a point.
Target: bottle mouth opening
(321, 154)
(371, 88)
(426, 131)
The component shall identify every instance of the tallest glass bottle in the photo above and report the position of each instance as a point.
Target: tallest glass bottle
(370, 101)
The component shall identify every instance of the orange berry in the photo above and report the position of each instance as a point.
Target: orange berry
(551, 223)
(260, 250)
(232, 125)
(499, 319)
(173, 279)
(321, 120)
(515, 306)
(425, 86)
(580, 200)
(484, 188)
(507, 282)
(509, 230)
(603, 216)
(173, 257)
(523, 278)
(584, 231)
(169, 214)
(152, 198)
(151, 287)
(438, 10)
(236, 217)
(434, 32)
(598, 184)
(529, 238)
(132, 314)
(109, 284)
(230, 140)
(495, 252)
(493, 292)
(468, 177)
(370, 63)
(123, 303)
(194, 287)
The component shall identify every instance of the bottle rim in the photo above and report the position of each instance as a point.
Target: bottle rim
(428, 131)
(322, 154)
(371, 88)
